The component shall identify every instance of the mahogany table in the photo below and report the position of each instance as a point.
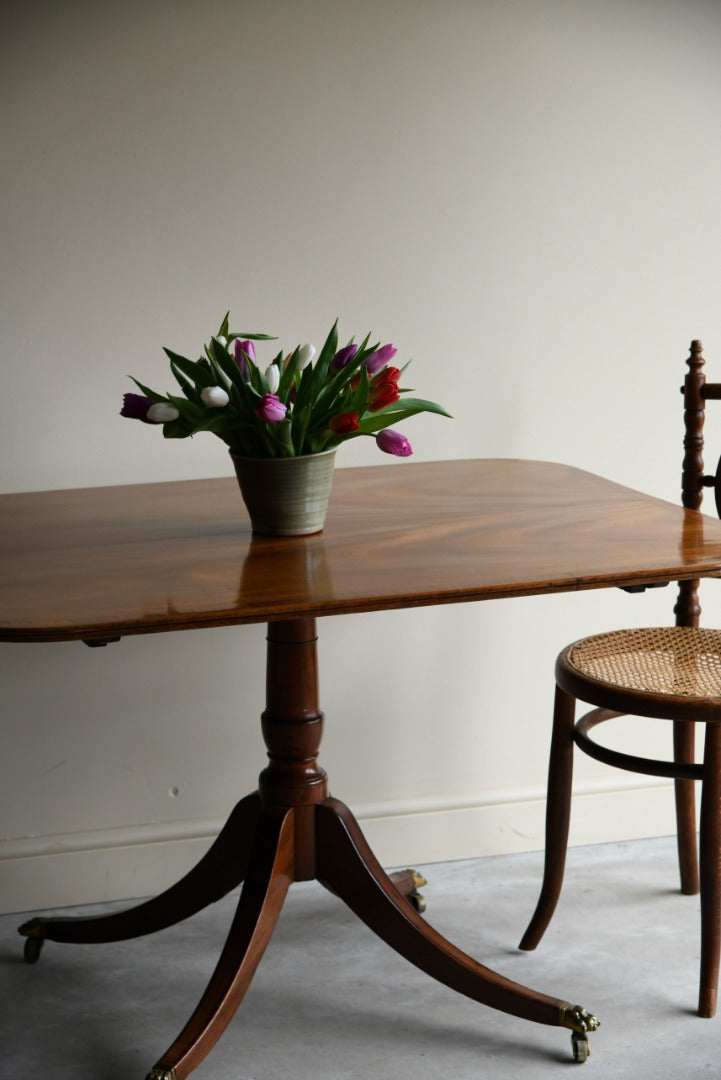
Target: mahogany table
(96, 564)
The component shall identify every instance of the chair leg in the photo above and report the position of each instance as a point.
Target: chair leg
(558, 817)
(710, 872)
(683, 751)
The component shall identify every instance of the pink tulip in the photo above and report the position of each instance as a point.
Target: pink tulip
(239, 349)
(393, 442)
(270, 408)
(380, 358)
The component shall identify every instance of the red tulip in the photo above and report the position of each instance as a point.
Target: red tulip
(384, 389)
(344, 423)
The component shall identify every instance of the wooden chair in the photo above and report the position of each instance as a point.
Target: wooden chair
(671, 673)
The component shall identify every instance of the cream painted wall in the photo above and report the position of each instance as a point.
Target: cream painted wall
(522, 195)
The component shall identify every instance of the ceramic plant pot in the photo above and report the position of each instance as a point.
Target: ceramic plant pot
(286, 496)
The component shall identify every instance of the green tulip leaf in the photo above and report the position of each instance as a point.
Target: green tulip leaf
(152, 394)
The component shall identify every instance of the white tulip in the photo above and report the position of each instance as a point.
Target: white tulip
(305, 355)
(214, 396)
(272, 374)
(161, 413)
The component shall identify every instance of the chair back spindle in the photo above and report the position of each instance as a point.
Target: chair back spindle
(695, 392)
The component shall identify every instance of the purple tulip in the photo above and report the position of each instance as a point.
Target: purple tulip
(270, 408)
(242, 351)
(393, 442)
(380, 358)
(342, 357)
(135, 406)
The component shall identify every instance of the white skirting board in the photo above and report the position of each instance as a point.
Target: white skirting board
(45, 873)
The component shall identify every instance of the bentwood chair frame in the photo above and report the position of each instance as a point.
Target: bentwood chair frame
(671, 673)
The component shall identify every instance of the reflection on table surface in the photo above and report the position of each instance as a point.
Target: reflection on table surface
(149, 557)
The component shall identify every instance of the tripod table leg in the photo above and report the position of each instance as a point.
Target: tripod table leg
(269, 875)
(347, 865)
(222, 868)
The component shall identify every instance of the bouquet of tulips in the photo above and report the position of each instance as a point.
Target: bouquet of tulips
(299, 403)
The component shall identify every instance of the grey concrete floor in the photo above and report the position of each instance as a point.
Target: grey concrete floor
(329, 1000)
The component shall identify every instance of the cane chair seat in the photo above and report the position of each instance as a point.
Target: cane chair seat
(661, 661)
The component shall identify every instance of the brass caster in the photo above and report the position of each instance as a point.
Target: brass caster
(580, 1021)
(32, 949)
(161, 1074)
(34, 934)
(581, 1047)
(408, 882)
(417, 901)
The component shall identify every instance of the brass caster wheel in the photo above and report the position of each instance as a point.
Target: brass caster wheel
(414, 898)
(580, 1021)
(161, 1074)
(408, 882)
(34, 933)
(417, 901)
(581, 1047)
(32, 949)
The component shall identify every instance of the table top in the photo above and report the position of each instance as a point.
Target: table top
(132, 559)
